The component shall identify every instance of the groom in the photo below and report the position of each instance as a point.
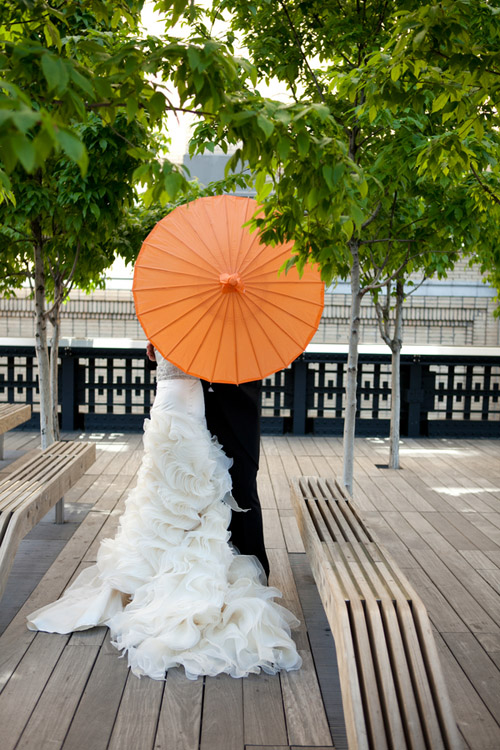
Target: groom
(233, 416)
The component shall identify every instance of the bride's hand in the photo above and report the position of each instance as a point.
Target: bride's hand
(150, 352)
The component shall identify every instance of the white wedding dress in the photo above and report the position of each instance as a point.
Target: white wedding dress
(170, 587)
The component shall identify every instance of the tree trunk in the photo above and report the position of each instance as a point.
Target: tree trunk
(396, 344)
(54, 357)
(42, 352)
(352, 371)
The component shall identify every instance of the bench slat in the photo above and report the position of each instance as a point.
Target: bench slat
(12, 415)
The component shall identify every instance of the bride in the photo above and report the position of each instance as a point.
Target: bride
(169, 586)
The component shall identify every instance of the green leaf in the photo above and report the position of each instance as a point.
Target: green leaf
(265, 125)
(73, 148)
(140, 172)
(338, 171)
(52, 35)
(260, 180)
(419, 38)
(440, 102)
(284, 145)
(172, 183)
(82, 82)
(348, 228)
(25, 119)
(327, 172)
(303, 143)
(266, 189)
(156, 105)
(132, 107)
(25, 151)
(55, 72)
(395, 72)
(357, 215)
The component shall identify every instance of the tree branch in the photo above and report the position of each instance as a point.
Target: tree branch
(484, 186)
(299, 43)
(372, 217)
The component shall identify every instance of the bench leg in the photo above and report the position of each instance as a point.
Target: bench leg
(1, 447)
(60, 511)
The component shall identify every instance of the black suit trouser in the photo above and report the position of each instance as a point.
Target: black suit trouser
(233, 416)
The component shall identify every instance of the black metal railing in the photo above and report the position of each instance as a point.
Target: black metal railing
(452, 392)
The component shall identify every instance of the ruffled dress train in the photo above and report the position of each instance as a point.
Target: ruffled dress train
(169, 586)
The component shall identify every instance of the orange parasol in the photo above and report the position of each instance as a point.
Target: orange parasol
(208, 295)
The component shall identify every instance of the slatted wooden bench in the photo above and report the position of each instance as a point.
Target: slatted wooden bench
(393, 689)
(29, 492)
(12, 415)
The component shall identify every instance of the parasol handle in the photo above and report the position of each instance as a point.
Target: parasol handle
(231, 282)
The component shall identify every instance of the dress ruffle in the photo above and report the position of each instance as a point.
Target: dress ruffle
(169, 586)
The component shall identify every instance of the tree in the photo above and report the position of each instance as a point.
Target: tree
(345, 180)
(62, 233)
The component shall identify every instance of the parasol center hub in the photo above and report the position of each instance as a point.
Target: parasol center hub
(231, 282)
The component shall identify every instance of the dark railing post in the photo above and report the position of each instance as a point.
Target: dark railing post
(299, 368)
(414, 399)
(68, 395)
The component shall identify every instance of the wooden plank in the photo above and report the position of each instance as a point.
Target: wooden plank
(273, 533)
(17, 638)
(21, 694)
(405, 531)
(222, 719)
(478, 666)
(305, 713)
(291, 532)
(475, 722)
(280, 471)
(107, 531)
(443, 616)
(471, 611)
(137, 718)
(54, 711)
(470, 579)
(407, 489)
(263, 710)
(380, 502)
(306, 465)
(265, 490)
(479, 560)
(95, 716)
(180, 714)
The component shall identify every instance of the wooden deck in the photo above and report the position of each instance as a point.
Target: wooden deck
(439, 517)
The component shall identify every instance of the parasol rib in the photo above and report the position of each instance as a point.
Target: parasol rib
(248, 332)
(171, 286)
(262, 296)
(200, 298)
(167, 270)
(225, 302)
(188, 312)
(250, 302)
(171, 254)
(221, 302)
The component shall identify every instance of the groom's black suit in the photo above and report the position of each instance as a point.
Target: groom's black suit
(233, 416)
